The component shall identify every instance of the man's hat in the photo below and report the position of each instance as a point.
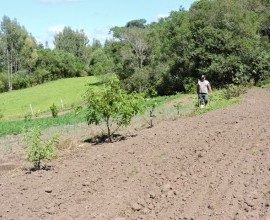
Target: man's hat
(202, 77)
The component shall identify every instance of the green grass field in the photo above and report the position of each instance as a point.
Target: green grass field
(16, 104)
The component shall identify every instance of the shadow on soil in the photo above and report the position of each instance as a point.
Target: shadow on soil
(100, 139)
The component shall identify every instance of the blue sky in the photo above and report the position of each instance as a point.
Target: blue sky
(44, 18)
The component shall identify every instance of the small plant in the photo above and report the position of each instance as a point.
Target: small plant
(54, 110)
(37, 114)
(27, 117)
(151, 114)
(78, 109)
(178, 106)
(38, 150)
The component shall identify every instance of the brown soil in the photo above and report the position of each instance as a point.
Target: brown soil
(212, 166)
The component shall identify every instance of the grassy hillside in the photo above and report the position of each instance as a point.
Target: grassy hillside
(16, 104)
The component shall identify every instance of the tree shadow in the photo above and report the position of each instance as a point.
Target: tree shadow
(103, 138)
(34, 168)
(94, 83)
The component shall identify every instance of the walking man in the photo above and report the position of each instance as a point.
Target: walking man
(203, 88)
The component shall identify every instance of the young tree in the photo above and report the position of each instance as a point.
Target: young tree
(37, 149)
(112, 105)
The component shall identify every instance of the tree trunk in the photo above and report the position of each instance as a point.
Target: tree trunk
(108, 129)
(9, 66)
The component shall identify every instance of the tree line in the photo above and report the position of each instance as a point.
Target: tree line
(226, 40)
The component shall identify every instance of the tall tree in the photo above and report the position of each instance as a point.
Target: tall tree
(74, 42)
(12, 41)
(136, 38)
(29, 54)
(140, 23)
(225, 33)
(132, 54)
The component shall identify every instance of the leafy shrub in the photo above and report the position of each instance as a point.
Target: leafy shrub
(3, 81)
(78, 109)
(112, 106)
(190, 85)
(27, 117)
(54, 110)
(233, 91)
(37, 113)
(265, 83)
(37, 150)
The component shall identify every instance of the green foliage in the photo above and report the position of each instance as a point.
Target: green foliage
(232, 91)
(27, 117)
(54, 109)
(178, 106)
(226, 40)
(151, 113)
(78, 109)
(21, 79)
(265, 83)
(112, 105)
(73, 42)
(58, 64)
(1, 114)
(3, 82)
(217, 100)
(190, 85)
(37, 149)
(16, 104)
(139, 81)
(140, 23)
(100, 63)
(17, 127)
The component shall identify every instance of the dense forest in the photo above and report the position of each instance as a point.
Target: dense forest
(226, 40)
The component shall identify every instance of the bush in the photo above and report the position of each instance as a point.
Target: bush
(27, 117)
(233, 91)
(37, 150)
(112, 106)
(21, 79)
(190, 85)
(264, 83)
(54, 110)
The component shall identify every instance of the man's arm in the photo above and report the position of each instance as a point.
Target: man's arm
(198, 87)
(209, 88)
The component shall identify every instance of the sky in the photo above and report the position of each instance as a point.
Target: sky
(44, 18)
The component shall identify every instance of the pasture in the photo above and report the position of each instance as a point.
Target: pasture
(64, 93)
